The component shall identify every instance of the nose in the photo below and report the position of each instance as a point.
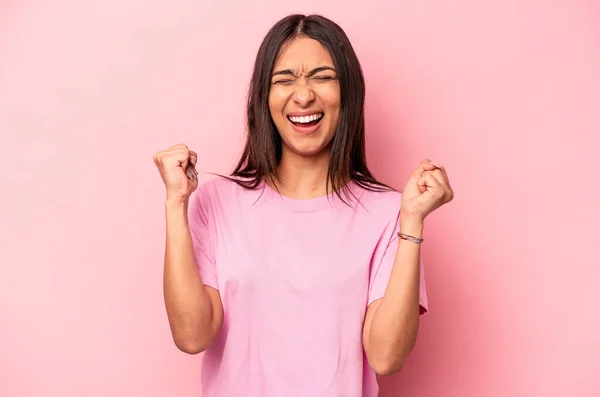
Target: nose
(303, 95)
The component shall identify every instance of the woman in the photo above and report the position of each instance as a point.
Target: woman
(299, 274)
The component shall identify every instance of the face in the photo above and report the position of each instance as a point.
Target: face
(304, 97)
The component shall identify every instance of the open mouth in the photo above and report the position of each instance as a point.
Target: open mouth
(306, 121)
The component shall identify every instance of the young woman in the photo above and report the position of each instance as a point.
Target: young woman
(299, 274)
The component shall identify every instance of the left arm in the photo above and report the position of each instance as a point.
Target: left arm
(392, 323)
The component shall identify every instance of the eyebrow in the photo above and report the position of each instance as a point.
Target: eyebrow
(312, 72)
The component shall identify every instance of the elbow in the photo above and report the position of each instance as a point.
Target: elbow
(191, 345)
(193, 338)
(190, 348)
(387, 362)
(387, 357)
(386, 367)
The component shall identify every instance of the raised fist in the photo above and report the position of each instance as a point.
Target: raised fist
(177, 170)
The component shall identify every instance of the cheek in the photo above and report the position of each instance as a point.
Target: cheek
(277, 102)
(331, 98)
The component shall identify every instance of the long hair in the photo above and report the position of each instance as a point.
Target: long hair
(262, 151)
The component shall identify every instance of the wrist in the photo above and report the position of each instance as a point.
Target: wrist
(413, 226)
(176, 203)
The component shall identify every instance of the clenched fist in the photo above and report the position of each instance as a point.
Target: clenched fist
(426, 190)
(177, 170)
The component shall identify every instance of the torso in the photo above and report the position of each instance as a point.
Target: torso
(294, 278)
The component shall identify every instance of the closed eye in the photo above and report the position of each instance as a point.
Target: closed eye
(283, 81)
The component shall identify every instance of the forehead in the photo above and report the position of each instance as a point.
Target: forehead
(303, 53)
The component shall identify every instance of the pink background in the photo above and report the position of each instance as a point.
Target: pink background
(505, 94)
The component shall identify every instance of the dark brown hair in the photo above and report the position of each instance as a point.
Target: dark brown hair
(262, 151)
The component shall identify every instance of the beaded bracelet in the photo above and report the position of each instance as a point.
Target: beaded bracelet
(410, 238)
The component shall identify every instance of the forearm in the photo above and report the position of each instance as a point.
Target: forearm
(188, 304)
(394, 325)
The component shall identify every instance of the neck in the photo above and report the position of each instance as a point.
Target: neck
(302, 177)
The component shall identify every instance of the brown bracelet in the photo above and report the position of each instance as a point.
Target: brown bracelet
(410, 238)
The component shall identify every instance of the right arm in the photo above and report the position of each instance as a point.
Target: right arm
(194, 310)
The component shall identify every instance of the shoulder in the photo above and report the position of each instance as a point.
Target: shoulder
(216, 186)
(379, 203)
(220, 192)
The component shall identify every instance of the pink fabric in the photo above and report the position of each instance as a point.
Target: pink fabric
(295, 278)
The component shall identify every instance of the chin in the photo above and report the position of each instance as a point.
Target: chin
(308, 145)
(307, 149)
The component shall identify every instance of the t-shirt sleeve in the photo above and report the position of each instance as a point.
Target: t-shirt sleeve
(202, 239)
(383, 262)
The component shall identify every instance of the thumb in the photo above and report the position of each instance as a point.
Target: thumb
(422, 184)
(193, 158)
(424, 165)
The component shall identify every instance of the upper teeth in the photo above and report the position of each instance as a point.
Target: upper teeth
(306, 119)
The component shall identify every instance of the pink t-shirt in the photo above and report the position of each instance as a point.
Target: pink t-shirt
(295, 278)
